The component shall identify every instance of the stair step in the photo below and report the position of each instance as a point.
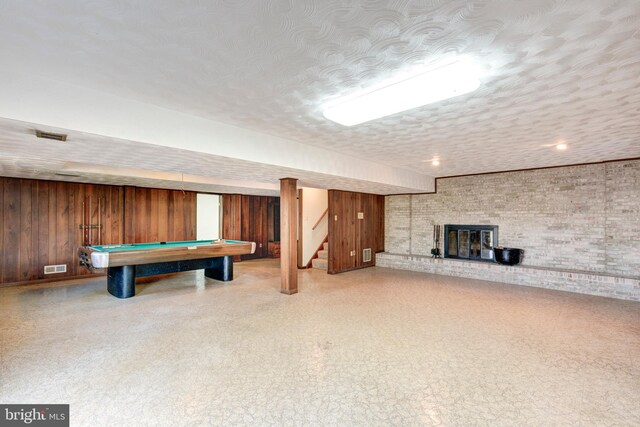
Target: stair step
(324, 254)
(319, 263)
(325, 246)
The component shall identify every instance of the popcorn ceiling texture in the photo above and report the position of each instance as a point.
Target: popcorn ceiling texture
(579, 218)
(555, 69)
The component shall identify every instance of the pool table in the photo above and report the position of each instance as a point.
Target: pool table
(127, 261)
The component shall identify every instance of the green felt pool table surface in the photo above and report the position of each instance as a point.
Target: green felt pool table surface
(159, 245)
(106, 256)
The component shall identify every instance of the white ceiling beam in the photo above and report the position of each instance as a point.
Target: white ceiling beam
(30, 98)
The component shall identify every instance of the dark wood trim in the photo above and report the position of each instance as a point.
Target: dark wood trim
(326, 211)
(63, 280)
(299, 228)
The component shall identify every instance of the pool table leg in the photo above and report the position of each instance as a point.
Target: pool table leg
(121, 281)
(222, 269)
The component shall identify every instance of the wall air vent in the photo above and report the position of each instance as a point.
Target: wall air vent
(52, 269)
(366, 255)
(51, 135)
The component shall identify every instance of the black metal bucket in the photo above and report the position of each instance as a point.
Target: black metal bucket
(508, 256)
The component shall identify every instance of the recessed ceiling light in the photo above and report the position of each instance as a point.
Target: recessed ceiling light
(446, 81)
(435, 162)
(561, 146)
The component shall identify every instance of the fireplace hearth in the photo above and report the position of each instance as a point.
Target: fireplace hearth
(472, 242)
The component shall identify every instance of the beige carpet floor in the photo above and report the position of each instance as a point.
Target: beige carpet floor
(374, 347)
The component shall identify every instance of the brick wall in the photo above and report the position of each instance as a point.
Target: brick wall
(584, 218)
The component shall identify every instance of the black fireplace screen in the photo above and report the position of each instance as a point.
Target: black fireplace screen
(474, 242)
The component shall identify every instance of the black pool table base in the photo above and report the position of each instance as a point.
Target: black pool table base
(121, 281)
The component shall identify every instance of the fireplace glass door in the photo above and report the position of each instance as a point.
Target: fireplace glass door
(474, 242)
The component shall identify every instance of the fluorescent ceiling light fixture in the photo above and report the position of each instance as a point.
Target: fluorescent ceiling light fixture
(444, 82)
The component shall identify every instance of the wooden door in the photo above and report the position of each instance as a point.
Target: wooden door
(342, 231)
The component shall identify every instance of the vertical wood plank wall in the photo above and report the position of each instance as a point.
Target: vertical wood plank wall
(254, 224)
(40, 222)
(155, 215)
(247, 218)
(347, 233)
(232, 216)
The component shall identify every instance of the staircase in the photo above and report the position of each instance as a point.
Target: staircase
(322, 262)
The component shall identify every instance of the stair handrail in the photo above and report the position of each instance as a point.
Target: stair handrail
(326, 211)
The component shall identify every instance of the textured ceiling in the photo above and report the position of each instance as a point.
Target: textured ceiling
(554, 70)
(101, 160)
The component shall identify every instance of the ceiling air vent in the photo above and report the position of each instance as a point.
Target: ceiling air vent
(51, 135)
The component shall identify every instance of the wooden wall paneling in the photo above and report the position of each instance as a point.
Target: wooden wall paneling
(245, 232)
(232, 216)
(106, 203)
(111, 214)
(128, 214)
(342, 232)
(40, 222)
(163, 216)
(334, 232)
(379, 223)
(52, 212)
(35, 231)
(27, 250)
(141, 226)
(143, 208)
(365, 228)
(348, 233)
(152, 215)
(254, 225)
(84, 200)
(177, 215)
(248, 225)
(113, 220)
(190, 215)
(11, 225)
(171, 216)
(159, 215)
(43, 227)
(72, 194)
(261, 229)
(63, 240)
